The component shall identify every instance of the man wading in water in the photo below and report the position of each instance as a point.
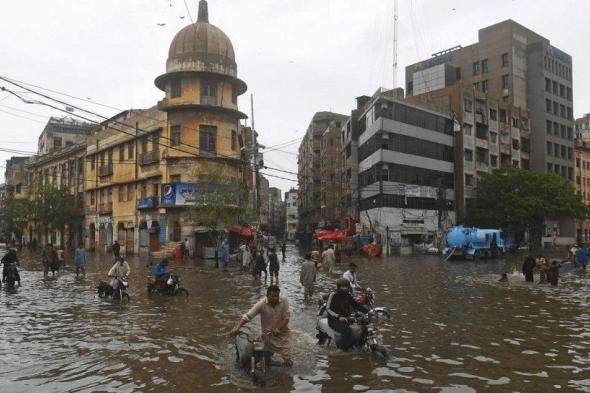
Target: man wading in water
(274, 321)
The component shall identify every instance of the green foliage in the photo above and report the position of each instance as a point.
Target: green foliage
(522, 200)
(14, 214)
(55, 208)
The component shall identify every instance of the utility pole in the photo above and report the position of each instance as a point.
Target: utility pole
(394, 44)
(254, 164)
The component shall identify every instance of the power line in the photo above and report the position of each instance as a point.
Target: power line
(22, 117)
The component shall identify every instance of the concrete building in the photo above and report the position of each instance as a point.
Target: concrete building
(405, 170)
(583, 127)
(157, 169)
(16, 177)
(529, 81)
(291, 214)
(263, 198)
(59, 169)
(277, 212)
(62, 132)
(582, 154)
(309, 171)
(331, 166)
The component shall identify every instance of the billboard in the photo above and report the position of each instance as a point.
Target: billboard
(194, 194)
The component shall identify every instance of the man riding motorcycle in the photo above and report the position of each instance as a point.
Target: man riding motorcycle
(7, 259)
(119, 269)
(339, 307)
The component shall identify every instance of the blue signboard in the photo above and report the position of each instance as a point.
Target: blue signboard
(192, 194)
(147, 202)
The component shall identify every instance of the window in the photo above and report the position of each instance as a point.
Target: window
(92, 162)
(555, 108)
(515, 144)
(563, 131)
(175, 136)
(577, 162)
(548, 106)
(503, 116)
(556, 129)
(548, 126)
(569, 153)
(476, 85)
(121, 193)
(561, 90)
(468, 155)
(563, 152)
(175, 88)
(549, 167)
(57, 141)
(207, 140)
(469, 180)
(493, 137)
(547, 85)
(130, 150)
(457, 74)
(493, 161)
(143, 189)
(562, 111)
(175, 179)
(570, 133)
(556, 150)
(467, 128)
(505, 82)
(569, 93)
(515, 122)
(208, 92)
(505, 60)
(569, 113)
(549, 148)
(234, 140)
(92, 201)
(130, 192)
(484, 65)
(555, 91)
(476, 68)
(493, 114)
(155, 140)
(468, 105)
(484, 86)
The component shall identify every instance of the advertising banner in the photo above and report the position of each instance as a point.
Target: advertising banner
(191, 194)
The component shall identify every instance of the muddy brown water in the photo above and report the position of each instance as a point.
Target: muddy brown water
(454, 328)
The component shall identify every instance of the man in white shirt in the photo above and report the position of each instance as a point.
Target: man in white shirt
(350, 275)
(119, 269)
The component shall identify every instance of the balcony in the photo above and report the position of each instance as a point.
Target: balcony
(482, 166)
(150, 157)
(105, 170)
(105, 208)
(481, 118)
(150, 202)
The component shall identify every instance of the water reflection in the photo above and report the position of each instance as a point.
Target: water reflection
(454, 328)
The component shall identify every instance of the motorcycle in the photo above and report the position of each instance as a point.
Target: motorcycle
(251, 358)
(169, 286)
(365, 296)
(105, 290)
(363, 327)
(12, 275)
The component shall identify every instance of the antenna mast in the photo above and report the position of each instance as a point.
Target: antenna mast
(394, 44)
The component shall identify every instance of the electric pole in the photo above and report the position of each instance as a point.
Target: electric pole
(254, 164)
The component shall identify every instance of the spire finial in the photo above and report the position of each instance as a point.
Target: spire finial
(203, 12)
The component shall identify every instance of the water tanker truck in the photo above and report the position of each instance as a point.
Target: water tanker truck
(474, 243)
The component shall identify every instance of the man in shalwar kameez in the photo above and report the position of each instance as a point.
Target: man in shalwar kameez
(274, 320)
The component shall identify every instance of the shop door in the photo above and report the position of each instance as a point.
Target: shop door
(129, 242)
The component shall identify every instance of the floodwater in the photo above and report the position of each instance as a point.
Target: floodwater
(454, 328)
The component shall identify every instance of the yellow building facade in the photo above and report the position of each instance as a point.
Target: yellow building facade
(150, 165)
(582, 155)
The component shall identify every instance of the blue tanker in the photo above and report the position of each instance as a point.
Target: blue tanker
(474, 243)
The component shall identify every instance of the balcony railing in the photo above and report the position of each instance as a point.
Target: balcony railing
(150, 157)
(105, 208)
(105, 170)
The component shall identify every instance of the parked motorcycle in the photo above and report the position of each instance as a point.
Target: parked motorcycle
(105, 290)
(167, 286)
(250, 358)
(368, 340)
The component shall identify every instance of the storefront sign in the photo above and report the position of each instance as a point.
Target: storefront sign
(197, 194)
(105, 219)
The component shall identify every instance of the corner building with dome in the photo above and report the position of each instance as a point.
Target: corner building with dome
(157, 176)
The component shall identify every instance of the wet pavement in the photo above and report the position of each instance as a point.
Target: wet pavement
(454, 328)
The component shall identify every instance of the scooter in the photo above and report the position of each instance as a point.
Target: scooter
(12, 275)
(105, 290)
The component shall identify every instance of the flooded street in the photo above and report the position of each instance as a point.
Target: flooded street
(454, 328)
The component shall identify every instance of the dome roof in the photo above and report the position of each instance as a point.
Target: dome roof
(202, 47)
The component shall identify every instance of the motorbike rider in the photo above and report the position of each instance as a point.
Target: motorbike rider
(7, 259)
(119, 269)
(160, 273)
(339, 307)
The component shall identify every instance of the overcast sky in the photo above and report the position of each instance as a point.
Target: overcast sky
(297, 56)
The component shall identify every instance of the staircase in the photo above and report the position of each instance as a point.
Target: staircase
(166, 250)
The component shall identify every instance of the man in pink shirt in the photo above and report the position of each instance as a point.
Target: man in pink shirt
(274, 320)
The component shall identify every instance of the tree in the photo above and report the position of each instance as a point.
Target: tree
(13, 215)
(522, 200)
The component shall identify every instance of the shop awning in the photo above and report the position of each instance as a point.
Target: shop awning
(240, 230)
